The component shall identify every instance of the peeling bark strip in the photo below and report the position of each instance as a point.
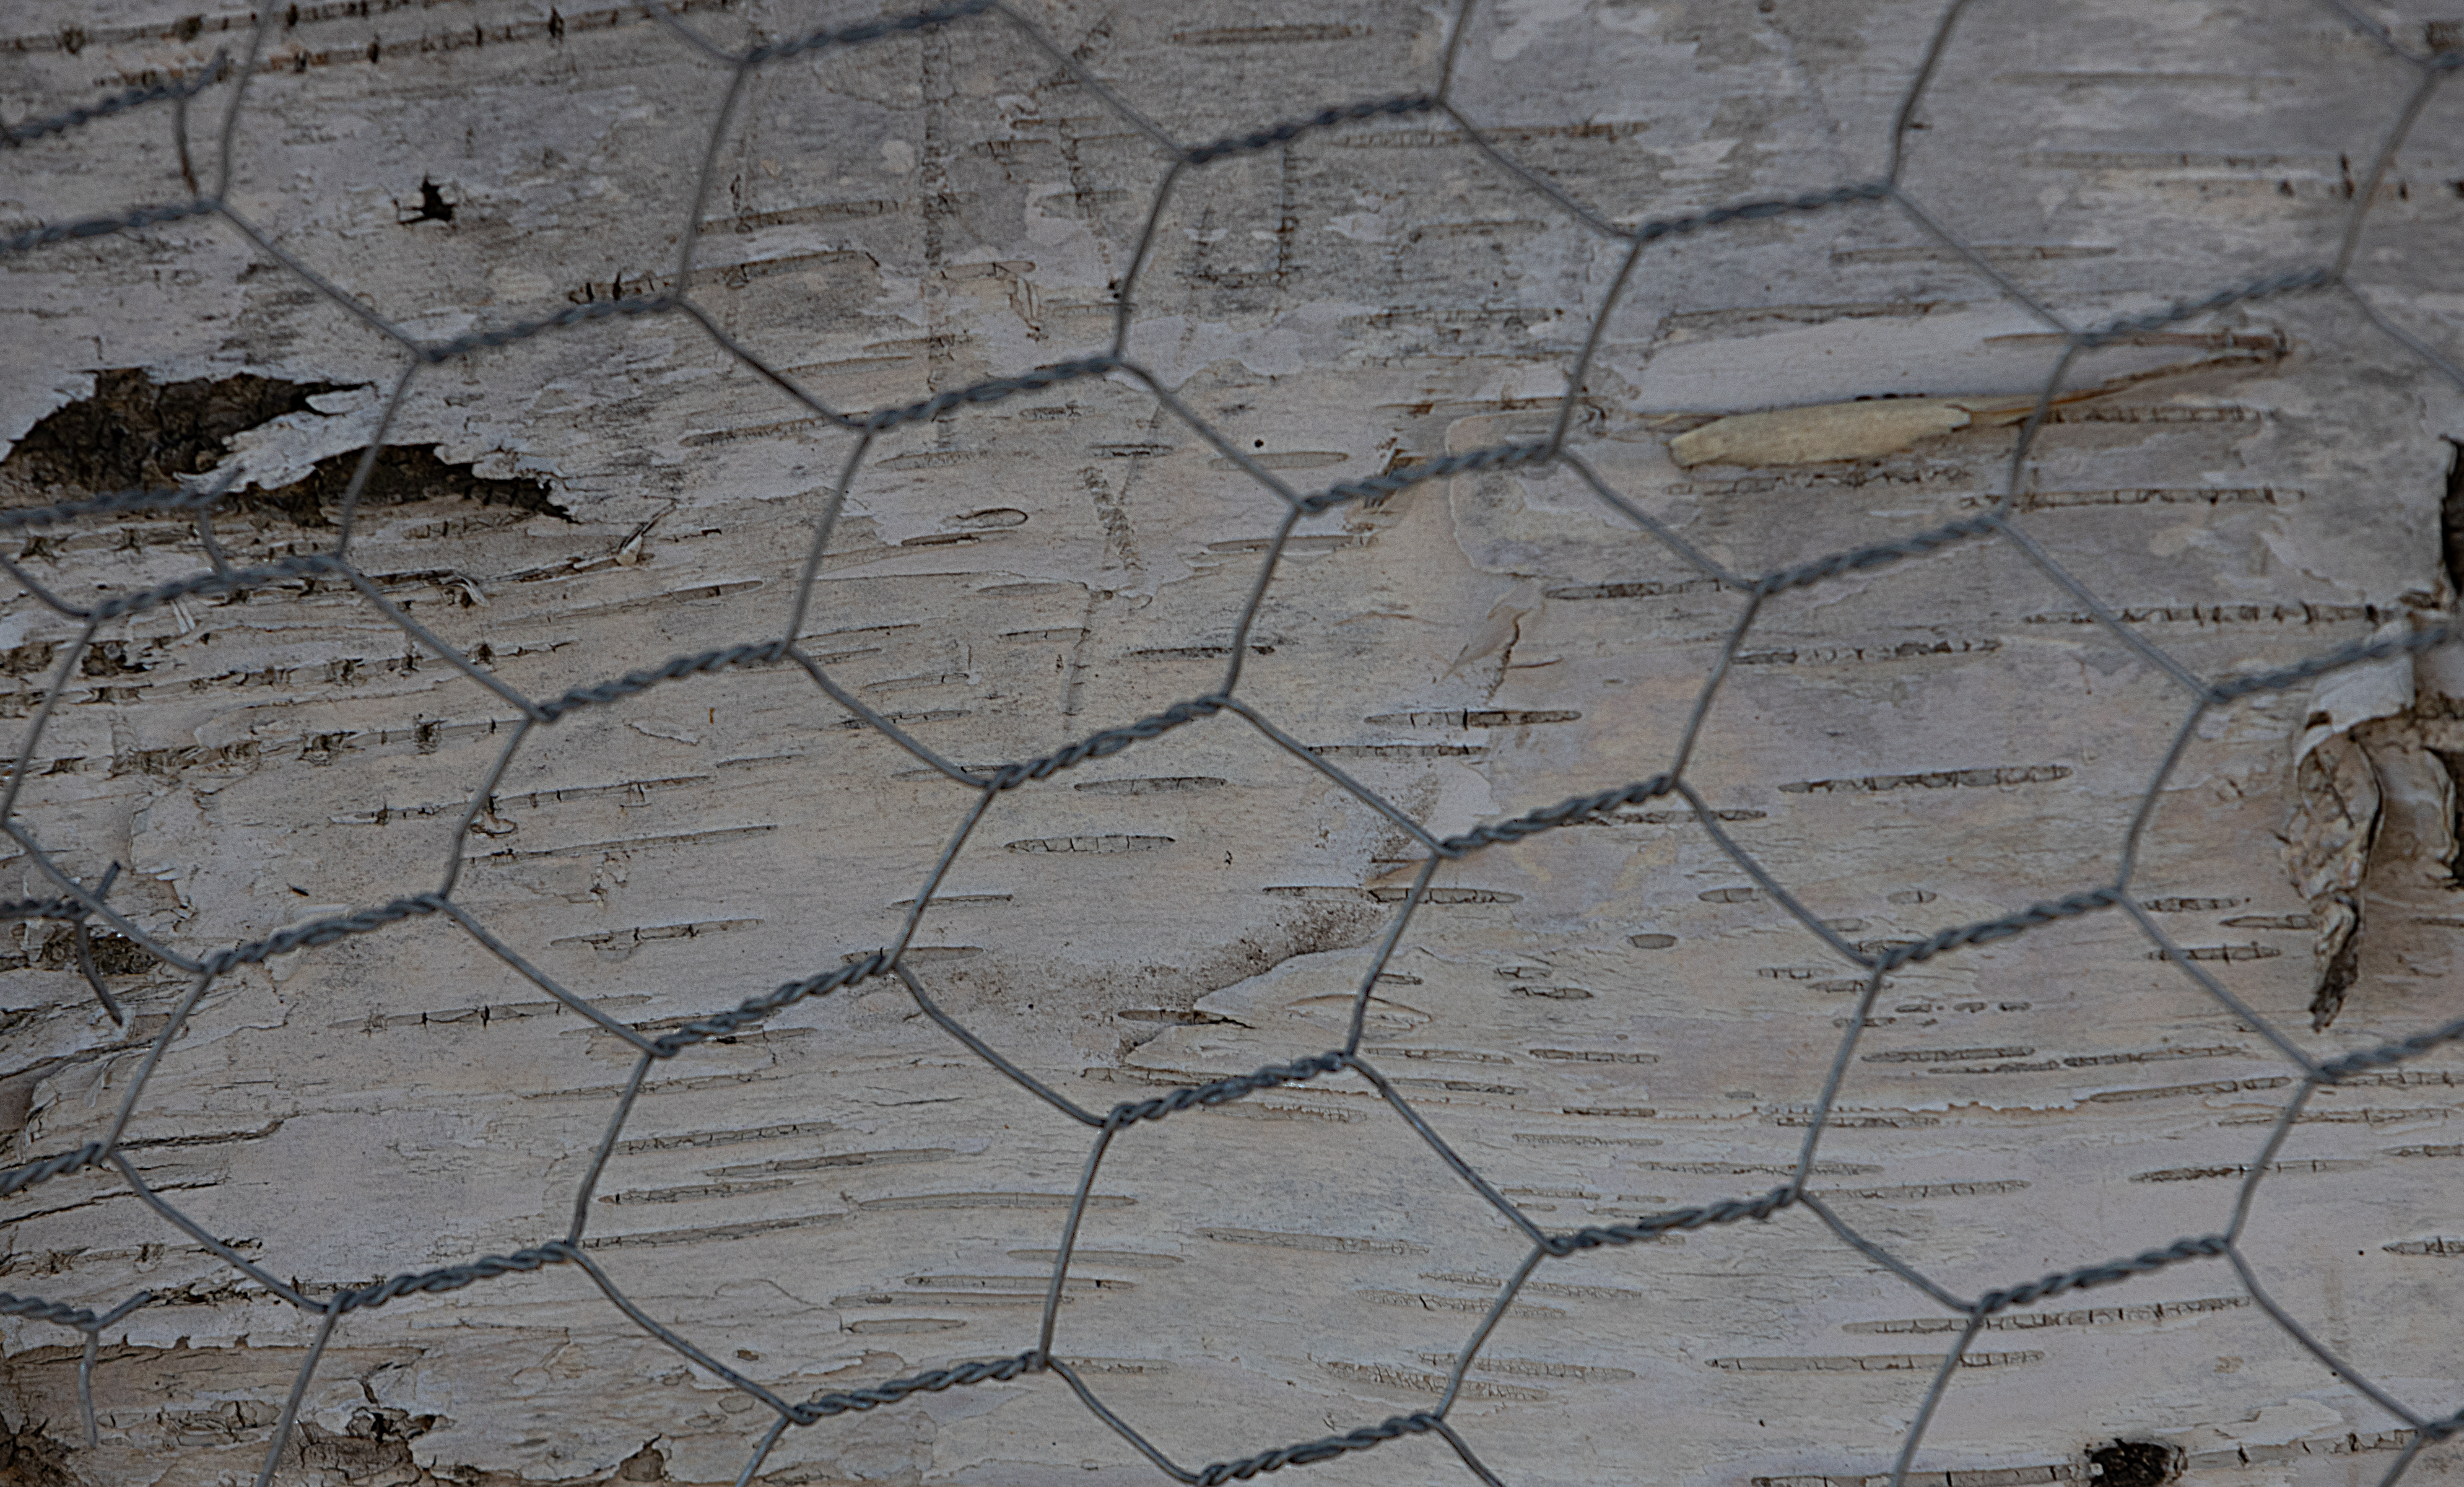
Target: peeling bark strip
(133, 433)
(742, 945)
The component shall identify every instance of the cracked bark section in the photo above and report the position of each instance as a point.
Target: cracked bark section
(32, 1457)
(373, 1445)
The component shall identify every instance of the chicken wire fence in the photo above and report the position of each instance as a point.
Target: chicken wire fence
(83, 905)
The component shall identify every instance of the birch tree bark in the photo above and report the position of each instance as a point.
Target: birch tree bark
(1604, 1022)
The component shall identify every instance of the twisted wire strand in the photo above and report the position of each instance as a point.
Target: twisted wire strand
(27, 131)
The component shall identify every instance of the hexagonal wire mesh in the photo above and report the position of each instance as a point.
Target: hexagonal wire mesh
(82, 905)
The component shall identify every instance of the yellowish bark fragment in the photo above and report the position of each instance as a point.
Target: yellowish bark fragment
(1872, 427)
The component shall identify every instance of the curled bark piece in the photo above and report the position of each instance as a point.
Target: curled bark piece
(1871, 427)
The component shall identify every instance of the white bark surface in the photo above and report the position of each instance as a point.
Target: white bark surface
(1605, 1021)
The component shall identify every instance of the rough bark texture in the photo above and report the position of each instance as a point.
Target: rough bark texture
(1605, 1021)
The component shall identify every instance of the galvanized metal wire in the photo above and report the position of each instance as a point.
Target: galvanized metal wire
(83, 904)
